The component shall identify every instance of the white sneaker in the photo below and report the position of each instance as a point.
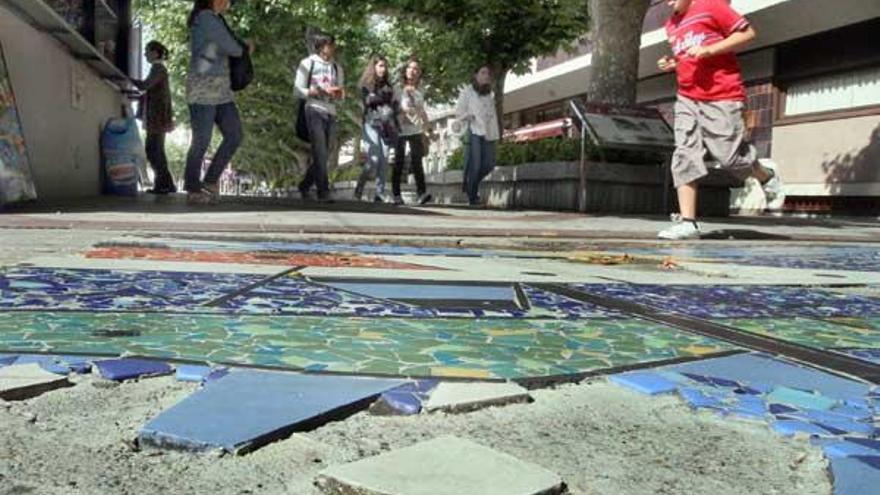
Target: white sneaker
(680, 230)
(772, 188)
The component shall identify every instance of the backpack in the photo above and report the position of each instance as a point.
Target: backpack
(302, 125)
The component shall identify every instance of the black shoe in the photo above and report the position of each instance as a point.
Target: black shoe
(304, 194)
(325, 199)
(378, 199)
(162, 190)
(425, 199)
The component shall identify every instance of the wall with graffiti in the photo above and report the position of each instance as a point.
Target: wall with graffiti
(16, 183)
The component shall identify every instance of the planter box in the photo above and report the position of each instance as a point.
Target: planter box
(611, 188)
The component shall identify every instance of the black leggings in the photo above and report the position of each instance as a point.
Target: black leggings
(155, 148)
(417, 152)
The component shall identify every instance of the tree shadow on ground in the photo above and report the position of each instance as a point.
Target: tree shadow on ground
(743, 235)
(176, 204)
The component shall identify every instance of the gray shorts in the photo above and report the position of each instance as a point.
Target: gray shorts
(714, 126)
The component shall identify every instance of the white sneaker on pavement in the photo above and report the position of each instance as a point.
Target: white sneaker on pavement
(772, 188)
(680, 230)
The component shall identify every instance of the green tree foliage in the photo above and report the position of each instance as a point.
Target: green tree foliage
(454, 37)
(278, 28)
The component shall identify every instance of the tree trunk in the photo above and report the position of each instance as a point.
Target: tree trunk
(616, 33)
(500, 76)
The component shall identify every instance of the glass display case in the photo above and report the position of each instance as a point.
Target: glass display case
(106, 28)
(98, 21)
(72, 11)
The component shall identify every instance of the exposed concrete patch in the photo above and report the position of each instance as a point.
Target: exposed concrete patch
(443, 466)
(24, 381)
(593, 435)
(459, 397)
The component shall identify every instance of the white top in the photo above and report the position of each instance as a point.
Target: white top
(324, 75)
(479, 111)
(412, 108)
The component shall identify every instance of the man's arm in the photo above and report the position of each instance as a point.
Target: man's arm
(730, 44)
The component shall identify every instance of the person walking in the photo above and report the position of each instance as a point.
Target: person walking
(319, 82)
(156, 112)
(413, 120)
(379, 123)
(476, 109)
(704, 35)
(210, 97)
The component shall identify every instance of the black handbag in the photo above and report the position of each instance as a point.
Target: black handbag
(241, 69)
(302, 126)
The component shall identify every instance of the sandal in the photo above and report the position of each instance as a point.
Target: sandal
(199, 198)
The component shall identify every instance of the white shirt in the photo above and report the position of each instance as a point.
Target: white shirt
(324, 75)
(479, 111)
(411, 108)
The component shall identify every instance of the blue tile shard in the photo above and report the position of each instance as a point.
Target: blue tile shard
(852, 476)
(127, 369)
(198, 373)
(755, 369)
(646, 383)
(405, 400)
(247, 409)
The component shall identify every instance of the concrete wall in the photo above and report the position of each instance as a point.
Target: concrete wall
(611, 188)
(838, 157)
(62, 141)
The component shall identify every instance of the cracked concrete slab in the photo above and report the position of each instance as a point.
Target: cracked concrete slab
(458, 397)
(25, 381)
(443, 466)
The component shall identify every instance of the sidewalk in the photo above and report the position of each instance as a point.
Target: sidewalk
(278, 216)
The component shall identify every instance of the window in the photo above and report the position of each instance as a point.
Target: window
(832, 93)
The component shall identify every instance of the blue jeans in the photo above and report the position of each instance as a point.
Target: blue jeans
(377, 160)
(202, 120)
(480, 161)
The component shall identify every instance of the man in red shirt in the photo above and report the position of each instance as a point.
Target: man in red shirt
(704, 36)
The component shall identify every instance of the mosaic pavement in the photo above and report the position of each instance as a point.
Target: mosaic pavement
(419, 327)
(809, 317)
(812, 257)
(250, 258)
(390, 346)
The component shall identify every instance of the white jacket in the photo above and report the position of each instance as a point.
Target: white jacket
(478, 111)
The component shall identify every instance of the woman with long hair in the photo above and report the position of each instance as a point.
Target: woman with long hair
(156, 112)
(380, 124)
(476, 109)
(413, 120)
(210, 97)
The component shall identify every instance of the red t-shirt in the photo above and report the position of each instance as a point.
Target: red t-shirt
(713, 78)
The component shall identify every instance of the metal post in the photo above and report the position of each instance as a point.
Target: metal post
(582, 193)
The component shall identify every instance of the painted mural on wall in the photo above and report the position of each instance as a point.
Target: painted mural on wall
(16, 183)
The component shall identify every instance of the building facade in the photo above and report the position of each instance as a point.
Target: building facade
(67, 63)
(813, 79)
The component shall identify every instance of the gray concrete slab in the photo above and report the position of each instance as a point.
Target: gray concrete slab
(24, 381)
(443, 466)
(458, 397)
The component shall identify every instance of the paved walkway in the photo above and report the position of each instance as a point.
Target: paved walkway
(762, 319)
(256, 215)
